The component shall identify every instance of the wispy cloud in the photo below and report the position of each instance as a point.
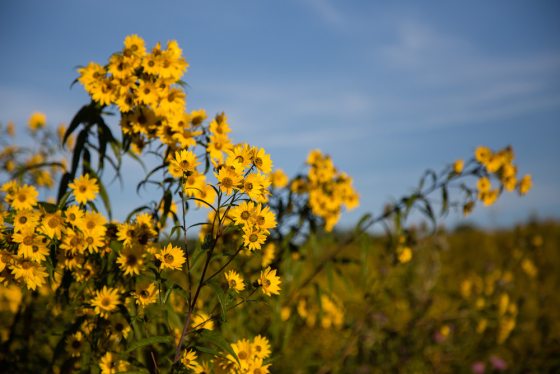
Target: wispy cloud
(327, 12)
(457, 83)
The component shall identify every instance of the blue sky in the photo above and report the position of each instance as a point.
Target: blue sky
(387, 88)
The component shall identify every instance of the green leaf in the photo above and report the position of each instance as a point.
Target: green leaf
(149, 341)
(217, 339)
(444, 200)
(103, 194)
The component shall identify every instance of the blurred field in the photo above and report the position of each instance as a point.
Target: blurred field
(468, 300)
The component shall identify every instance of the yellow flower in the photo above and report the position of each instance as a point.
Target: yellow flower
(264, 217)
(134, 46)
(171, 257)
(482, 154)
(31, 273)
(26, 219)
(217, 145)
(184, 162)
(254, 238)
(262, 160)
(270, 282)
(37, 121)
(201, 320)
(458, 166)
(74, 216)
(525, 184)
(405, 255)
(261, 347)
(244, 213)
(483, 184)
(529, 268)
(268, 254)
(25, 197)
(228, 179)
(84, 188)
(10, 128)
(189, 359)
(242, 349)
(106, 301)
(131, 260)
(145, 294)
(120, 329)
(110, 364)
(75, 343)
(235, 282)
(278, 178)
(94, 222)
(490, 197)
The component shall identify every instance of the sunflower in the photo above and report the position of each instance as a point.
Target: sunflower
(134, 46)
(30, 272)
(26, 220)
(171, 257)
(265, 218)
(205, 196)
(120, 329)
(94, 240)
(269, 282)
(25, 197)
(75, 343)
(36, 121)
(145, 294)
(84, 188)
(52, 225)
(105, 301)
(74, 215)
(229, 179)
(235, 282)
(268, 254)
(217, 145)
(110, 364)
(254, 238)
(131, 259)
(261, 347)
(73, 241)
(242, 349)
(244, 213)
(202, 320)
(189, 359)
(262, 160)
(183, 162)
(94, 222)
(525, 184)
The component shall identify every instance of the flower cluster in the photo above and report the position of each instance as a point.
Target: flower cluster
(499, 164)
(328, 313)
(38, 165)
(145, 88)
(250, 357)
(329, 189)
(489, 298)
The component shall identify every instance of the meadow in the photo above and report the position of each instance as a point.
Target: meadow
(266, 283)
